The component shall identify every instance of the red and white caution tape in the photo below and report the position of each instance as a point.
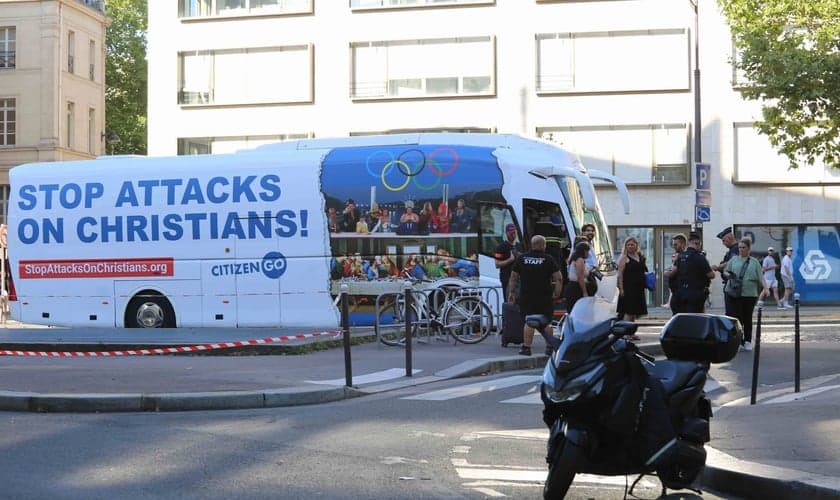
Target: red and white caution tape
(170, 350)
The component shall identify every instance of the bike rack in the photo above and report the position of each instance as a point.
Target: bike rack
(489, 294)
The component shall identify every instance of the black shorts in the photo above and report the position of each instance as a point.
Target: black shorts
(527, 307)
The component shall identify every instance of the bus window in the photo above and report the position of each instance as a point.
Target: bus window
(494, 217)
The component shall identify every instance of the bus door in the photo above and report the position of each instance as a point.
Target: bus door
(545, 218)
(257, 264)
(493, 218)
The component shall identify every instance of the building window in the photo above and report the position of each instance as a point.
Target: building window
(7, 47)
(71, 116)
(615, 61)
(92, 131)
(638, 154)
(4, 204)
(92, 59)
(213, 8)
(424, 68)
(391, 4)
(757, 161)
(71, 51)
(7, 122)
(221, 145)
(739, 78)
(246, 76)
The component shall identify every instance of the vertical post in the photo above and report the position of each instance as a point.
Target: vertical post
(757, 353)
(408, 319)
(345, 328)
(697, 119)
(796, 341)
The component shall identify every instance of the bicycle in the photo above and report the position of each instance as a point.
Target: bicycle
(445, 310)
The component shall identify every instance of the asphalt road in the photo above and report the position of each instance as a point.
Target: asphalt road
(469, 438)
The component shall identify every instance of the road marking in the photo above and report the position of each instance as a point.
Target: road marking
(489, 492)
(477, 388)
(528, 399)
(800, 395)
(762, 397)
(379, 376)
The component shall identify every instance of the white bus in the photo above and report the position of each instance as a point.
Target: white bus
(266, 237)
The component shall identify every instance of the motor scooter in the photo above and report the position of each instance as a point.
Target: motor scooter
(614, 410)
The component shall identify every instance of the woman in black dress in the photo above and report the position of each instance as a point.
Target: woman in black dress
(631, 281)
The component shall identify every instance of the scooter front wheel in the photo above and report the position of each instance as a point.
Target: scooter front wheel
(561, 470)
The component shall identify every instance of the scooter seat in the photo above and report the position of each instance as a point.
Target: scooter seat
(673, 374)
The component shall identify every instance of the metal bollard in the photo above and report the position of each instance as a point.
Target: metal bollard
(796, 341)
(408, 325)
(345, 329)
(757, 351)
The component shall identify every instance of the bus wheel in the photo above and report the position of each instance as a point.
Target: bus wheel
(149, 310)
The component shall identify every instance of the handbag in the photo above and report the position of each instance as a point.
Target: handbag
(734, 286)
(650, 280)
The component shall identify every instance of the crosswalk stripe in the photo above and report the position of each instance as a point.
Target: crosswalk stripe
(532, 398)
(477, 388)
(379, 376)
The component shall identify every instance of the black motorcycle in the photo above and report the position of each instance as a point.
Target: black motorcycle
(613, 410)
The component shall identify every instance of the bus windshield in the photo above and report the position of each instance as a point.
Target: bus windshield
(581, 215)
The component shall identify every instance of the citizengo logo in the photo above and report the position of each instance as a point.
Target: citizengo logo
(95, 268)
(273, 265)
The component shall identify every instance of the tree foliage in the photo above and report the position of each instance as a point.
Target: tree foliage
(790, 55)
(125, 77)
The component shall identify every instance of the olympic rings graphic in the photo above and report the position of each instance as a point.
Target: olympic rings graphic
(411, 169)
(388, 166)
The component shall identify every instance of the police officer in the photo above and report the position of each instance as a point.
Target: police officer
(693, 276)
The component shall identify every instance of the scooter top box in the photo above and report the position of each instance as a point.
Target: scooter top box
(705, 338)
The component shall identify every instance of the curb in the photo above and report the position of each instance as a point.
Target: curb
(192, 401)
(753, 480)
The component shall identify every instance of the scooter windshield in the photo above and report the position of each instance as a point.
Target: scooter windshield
(578, 342)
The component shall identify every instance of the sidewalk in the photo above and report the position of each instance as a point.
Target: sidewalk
(779, 448)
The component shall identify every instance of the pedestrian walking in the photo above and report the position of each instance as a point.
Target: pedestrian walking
(540, 282)
(575, 288)
(694, 275)
(727, 238)
(506, 254)
(631, 281)
(747, 270)
(769, 266)
(787, 277)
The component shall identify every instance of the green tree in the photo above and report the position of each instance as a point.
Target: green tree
(125, 77)
(789, 51)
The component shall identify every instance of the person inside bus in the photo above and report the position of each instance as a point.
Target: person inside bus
(463, 218)
(434, 267)
(387, 267)
(440, 220)
(349, 217)
(409, 221)
(425, 218)
(466, 268)
(332, 220)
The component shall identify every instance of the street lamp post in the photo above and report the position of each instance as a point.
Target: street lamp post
(697, 123)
